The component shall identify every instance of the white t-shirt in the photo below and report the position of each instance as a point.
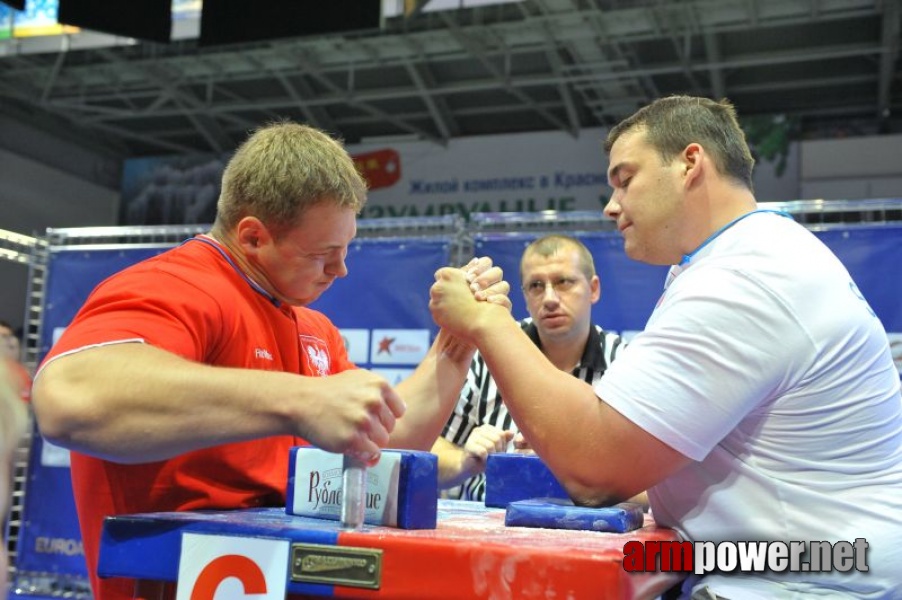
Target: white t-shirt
(763, 363)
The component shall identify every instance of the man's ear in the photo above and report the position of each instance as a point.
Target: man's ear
(252, 234)
(692, 158)
(595, 288)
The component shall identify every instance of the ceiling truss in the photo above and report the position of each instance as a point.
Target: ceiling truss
(533, 65)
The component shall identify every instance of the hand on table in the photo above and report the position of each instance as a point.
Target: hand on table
(484, 440)
(521, 446)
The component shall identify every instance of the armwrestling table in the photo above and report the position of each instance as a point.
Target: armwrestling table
(471, 554)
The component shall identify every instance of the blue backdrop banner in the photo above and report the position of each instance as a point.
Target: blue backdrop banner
(872, 254)
(382, 311)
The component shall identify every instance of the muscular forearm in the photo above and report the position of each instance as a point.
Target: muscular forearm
(136, 403)
(431, 392)
(530, 385)
(559, 414)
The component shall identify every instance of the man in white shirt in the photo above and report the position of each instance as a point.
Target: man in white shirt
(761, 402)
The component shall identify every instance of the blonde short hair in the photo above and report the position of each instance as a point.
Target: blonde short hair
(281, 170)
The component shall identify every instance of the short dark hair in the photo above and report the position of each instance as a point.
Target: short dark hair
(552, 244)
(674, 122)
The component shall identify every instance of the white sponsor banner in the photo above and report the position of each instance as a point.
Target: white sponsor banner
(516, 172)
(218, 567)
(520, 172)
(398, 346)
(357, 343)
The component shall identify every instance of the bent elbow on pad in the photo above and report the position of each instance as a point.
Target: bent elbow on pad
(595, 496)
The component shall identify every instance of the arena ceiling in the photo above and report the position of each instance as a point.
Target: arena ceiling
(822, 67)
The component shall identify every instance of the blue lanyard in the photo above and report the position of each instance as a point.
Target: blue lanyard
(713, 236)
(256, 286)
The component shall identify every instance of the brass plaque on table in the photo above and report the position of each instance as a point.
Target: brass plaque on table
(336, 565)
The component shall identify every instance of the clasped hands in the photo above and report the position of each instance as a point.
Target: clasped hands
(486, 281)
(364, 407)
(459, 298)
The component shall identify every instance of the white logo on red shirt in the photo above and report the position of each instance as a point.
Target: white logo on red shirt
(317, 355)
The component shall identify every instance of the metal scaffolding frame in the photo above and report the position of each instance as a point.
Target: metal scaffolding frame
(21, 249)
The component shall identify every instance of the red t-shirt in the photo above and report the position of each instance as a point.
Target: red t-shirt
(193, 301)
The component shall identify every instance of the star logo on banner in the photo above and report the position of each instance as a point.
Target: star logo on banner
(385, 345)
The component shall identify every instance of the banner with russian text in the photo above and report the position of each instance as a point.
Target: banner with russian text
(518, 172)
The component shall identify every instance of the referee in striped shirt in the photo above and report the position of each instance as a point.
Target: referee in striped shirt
(560, 286)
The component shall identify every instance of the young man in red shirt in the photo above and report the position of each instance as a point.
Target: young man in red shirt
(183, 380)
